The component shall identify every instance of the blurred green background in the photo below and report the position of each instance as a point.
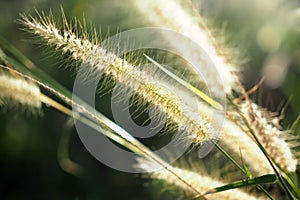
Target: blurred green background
(266, 34)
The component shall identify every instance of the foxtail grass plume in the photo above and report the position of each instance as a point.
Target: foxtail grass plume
(146, 84)
(170, 14)
(17, 91)
(201, 183)
(271, 136)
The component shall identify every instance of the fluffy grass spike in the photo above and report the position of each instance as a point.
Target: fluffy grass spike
(167, 98)
(271, 135)
(17, 91)
(170, 14)
(200, 182)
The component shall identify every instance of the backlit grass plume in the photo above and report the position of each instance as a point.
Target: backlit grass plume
(145, 83)
(170, 14)
(271, 135)
(200, 182)
(16, 92)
